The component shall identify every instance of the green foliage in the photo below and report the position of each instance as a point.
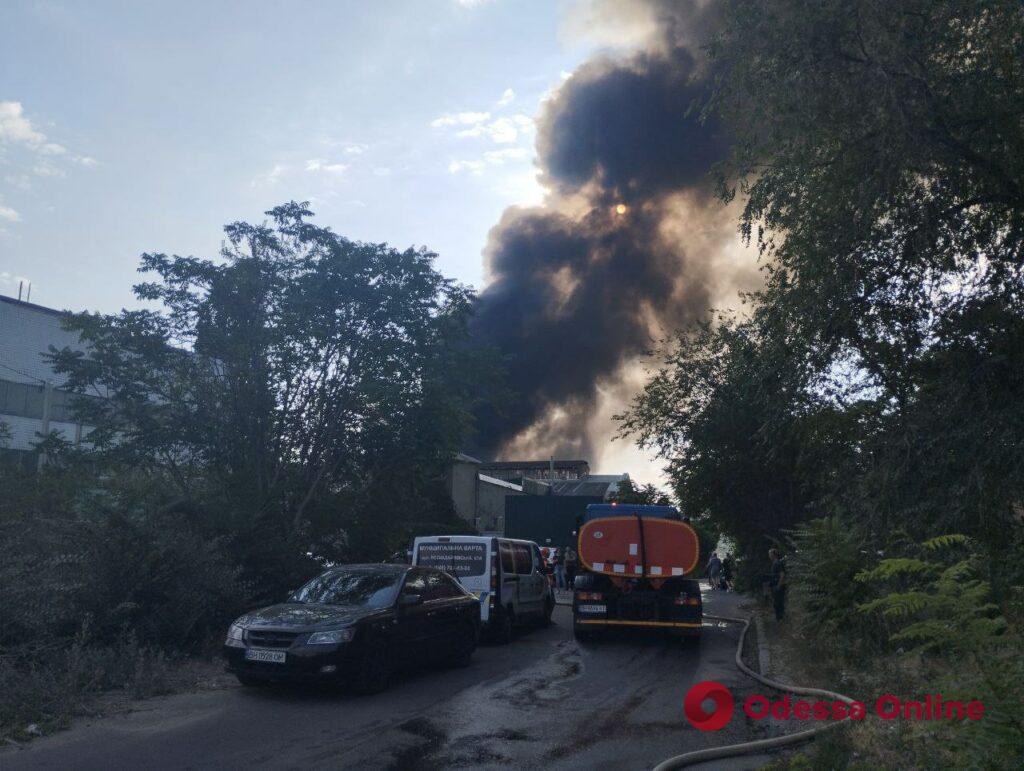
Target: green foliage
(936, 603)
(645, 495)
(296, 401)
(939, 603)
(826, 556)
(870, 397)
(302, 385)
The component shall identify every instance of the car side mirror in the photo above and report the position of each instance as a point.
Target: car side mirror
(407, 600)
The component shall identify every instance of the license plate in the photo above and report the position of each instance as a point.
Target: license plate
(270, 657)
(593, 608)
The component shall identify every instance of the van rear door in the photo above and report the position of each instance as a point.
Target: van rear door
(465, 558)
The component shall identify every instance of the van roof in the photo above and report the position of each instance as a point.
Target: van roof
(474, 538)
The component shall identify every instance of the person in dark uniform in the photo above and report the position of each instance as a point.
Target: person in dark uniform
(778, 582)
(727, 572)
(571, 566)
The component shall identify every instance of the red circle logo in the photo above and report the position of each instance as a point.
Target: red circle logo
(693, 706)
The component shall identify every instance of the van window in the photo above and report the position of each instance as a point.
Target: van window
(524, 560)
(507, 561)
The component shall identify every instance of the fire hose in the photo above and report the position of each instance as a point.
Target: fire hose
(745, 748)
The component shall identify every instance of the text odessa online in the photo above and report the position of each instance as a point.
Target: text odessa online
(887, 707)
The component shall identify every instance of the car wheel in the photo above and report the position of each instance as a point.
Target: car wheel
(503, 628)
(251, 682)
(375, 670)
(463, 646)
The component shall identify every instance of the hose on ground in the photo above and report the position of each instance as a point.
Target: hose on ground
(745, 748)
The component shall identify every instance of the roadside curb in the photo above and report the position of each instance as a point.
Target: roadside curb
(764, 658)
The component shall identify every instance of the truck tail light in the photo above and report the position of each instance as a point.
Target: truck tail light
(589, 595)
(494, 572)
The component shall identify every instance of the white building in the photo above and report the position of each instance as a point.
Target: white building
(31, 400)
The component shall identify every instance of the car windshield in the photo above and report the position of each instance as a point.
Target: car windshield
(366, 588)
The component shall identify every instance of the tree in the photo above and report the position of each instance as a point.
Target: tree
(878, 148)
(284, 384)
(645, 495)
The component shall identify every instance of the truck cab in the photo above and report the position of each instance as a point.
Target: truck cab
(634, 566)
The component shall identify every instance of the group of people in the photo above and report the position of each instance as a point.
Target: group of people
(719, 571)
(564, 563)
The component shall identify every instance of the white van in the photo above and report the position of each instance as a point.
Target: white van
(507, 576)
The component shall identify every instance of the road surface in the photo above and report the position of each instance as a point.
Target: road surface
(545, 701)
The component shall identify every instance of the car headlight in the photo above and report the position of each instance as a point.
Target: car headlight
(236, 637)
(331, 638)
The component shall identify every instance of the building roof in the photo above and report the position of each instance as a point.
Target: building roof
(32, 306)
(515, 465)
(461, 457)
(580, 487)
(500, 483)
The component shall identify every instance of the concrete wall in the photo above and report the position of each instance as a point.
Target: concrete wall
(491, 506)
(462, 484)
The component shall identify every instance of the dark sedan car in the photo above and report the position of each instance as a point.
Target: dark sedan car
(358, 624)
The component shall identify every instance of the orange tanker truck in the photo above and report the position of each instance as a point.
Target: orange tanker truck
(633, 566)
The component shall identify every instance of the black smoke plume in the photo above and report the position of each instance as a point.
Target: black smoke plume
(585, 283)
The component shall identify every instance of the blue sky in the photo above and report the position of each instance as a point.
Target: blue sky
(128, 127)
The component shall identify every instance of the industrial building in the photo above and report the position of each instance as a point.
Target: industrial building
(488, 494)
(32, 402)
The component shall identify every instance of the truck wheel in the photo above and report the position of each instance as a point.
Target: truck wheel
(503, 626)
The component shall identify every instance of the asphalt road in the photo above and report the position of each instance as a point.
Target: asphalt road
(543, 701)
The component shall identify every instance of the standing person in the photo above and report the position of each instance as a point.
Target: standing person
(714, 570)
(778, 582)
(727, 572)
(572, 562)
(560, 568)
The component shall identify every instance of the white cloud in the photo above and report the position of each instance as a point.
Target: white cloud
(47, 169)
(473, 167)
(16, 128)
(460, 119)
(319, 166)
(498, 157)
(271, 177)
(469, 3)
(502, 130)
(490, 158)
(9, 215)
(506, 97)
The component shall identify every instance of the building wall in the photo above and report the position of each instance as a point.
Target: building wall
(462, 484)
(491, 506)
(26, 332)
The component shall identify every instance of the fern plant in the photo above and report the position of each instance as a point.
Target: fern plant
(937, 604)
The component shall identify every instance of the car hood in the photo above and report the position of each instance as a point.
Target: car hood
(305, 615)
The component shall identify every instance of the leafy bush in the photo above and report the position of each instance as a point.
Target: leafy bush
(171, 586)
(939, 607)
(826, 557)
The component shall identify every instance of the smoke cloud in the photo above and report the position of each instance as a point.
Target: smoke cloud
(629, 243)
